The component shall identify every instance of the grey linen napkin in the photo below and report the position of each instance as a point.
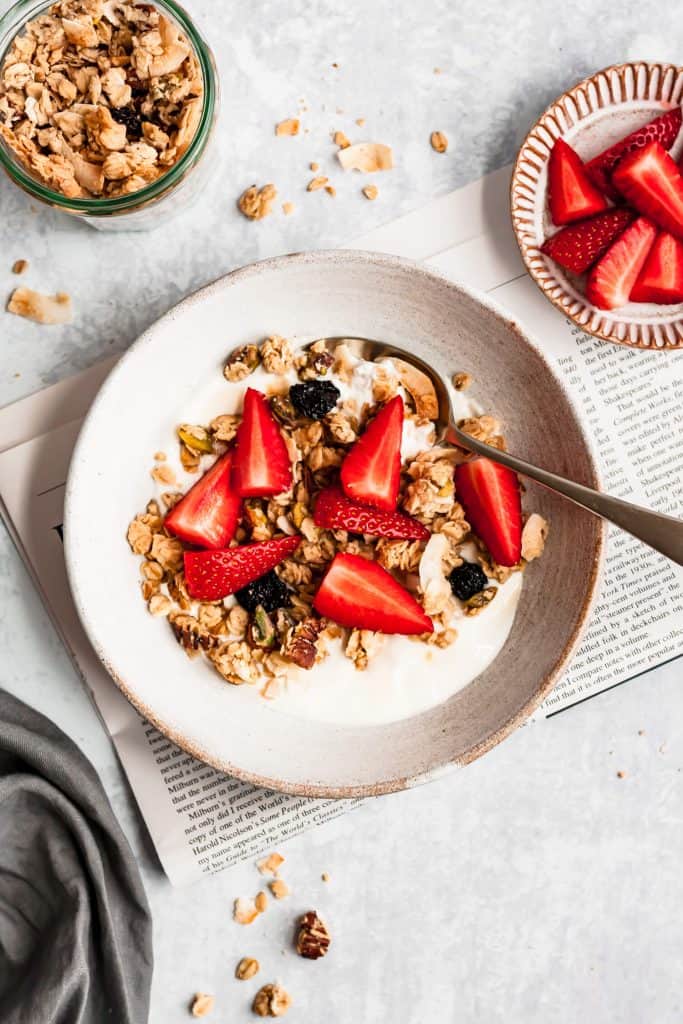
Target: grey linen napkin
(75, 927)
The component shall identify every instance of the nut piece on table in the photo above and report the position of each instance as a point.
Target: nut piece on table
(247, 968)
(279, 889)
(439, 142)
(270, 864)
(256, 203)
(366, 157)
(19, 266)
(313, 940)
(202, 1005)
(271, 1001)
(288, 127)
(44, 309)
(370, 192)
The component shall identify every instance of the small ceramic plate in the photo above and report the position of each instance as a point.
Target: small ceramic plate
(593, 115)
(157, 381)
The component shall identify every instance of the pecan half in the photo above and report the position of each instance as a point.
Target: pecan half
(302, 641)
(191, 635)
(313, 940)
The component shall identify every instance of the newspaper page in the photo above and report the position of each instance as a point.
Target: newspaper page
(202, 821)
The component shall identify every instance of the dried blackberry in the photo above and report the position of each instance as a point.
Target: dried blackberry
(314, 398)
(466, 580)
(268, 591)
(130, 117)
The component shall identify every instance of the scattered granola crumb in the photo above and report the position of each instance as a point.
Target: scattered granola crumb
(316, 183)
(288, 127)
(270, 864)
(437, 71)
(331, 190)
(313, 940)
(366, 157)
(160, 456)
(341, 140)
(335, 65)
(314, 165)
(271, 1001)
(202, 1005)
(279, 889)
(163, 475)
(256, 203)
(621, 775)
(44, 309)
(19, 266)
(261, 901)
(462, 381)
(360, 121)
(287, 208)
(439, 142)
(370, 191)
(641, 732)
(245, 911)
(325, 877)
(662, 748)
(247, 968)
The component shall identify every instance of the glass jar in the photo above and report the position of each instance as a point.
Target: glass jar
(162, 198)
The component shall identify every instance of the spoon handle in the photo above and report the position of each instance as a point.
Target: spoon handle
(663, 533)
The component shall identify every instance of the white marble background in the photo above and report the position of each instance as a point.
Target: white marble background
(535, 886)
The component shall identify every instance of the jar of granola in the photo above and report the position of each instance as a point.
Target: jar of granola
(107, 108)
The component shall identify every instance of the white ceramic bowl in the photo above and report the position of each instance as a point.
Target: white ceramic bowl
(307, 296)
(593, 115)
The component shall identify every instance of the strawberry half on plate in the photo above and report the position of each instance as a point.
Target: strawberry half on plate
(371, 472)
(360, 594)
(261, 465)
(661, 279)
(571, 193)
(334, 511)
(612, 278)
(208, 514)
(652, 182)
(212, 575)
(663, 129)
(490, 495)
(579, 245)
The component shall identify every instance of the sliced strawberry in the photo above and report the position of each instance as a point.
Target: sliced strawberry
(371, 471)
(661, 279)
(208, 514)
(571, 193)
(334, 511)
(261, 464)
(653, 184)
(361, 594)
(212, 575)
(490, 496)
(614, 275)
(578, 246)
(663, 129)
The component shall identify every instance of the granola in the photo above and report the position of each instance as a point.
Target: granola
(273, 634)
(99, 98)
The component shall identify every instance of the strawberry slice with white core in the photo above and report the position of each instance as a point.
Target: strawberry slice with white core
(663, 129)
(360, 594)
(571, 193)
(261, 466)
(661, 279)
(212, 575)
(612, 278)
(651, 182)
(371, 472)
(208, 514)
(334, 511)
(579, 245)
(490, 495)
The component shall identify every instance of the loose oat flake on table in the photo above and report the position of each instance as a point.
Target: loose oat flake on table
(99, 98)
(315, 491)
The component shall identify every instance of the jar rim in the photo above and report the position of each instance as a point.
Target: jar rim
(120, 204)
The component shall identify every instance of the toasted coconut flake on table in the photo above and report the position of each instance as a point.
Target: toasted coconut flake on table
(317, 183)
(439, 142)
(341, 140)
(288, 127)
(256, 203)
(44, 309)
(245, 910)
(19, 266)
(370, 191)
(360, 121)
(279, 889)
(314, 165)
(270, 864)
(331, 190)
(366, 157)
(287, 208)
(202, 1005)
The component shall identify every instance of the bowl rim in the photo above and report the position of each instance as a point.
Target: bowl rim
(539, 129)
(310, 789)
